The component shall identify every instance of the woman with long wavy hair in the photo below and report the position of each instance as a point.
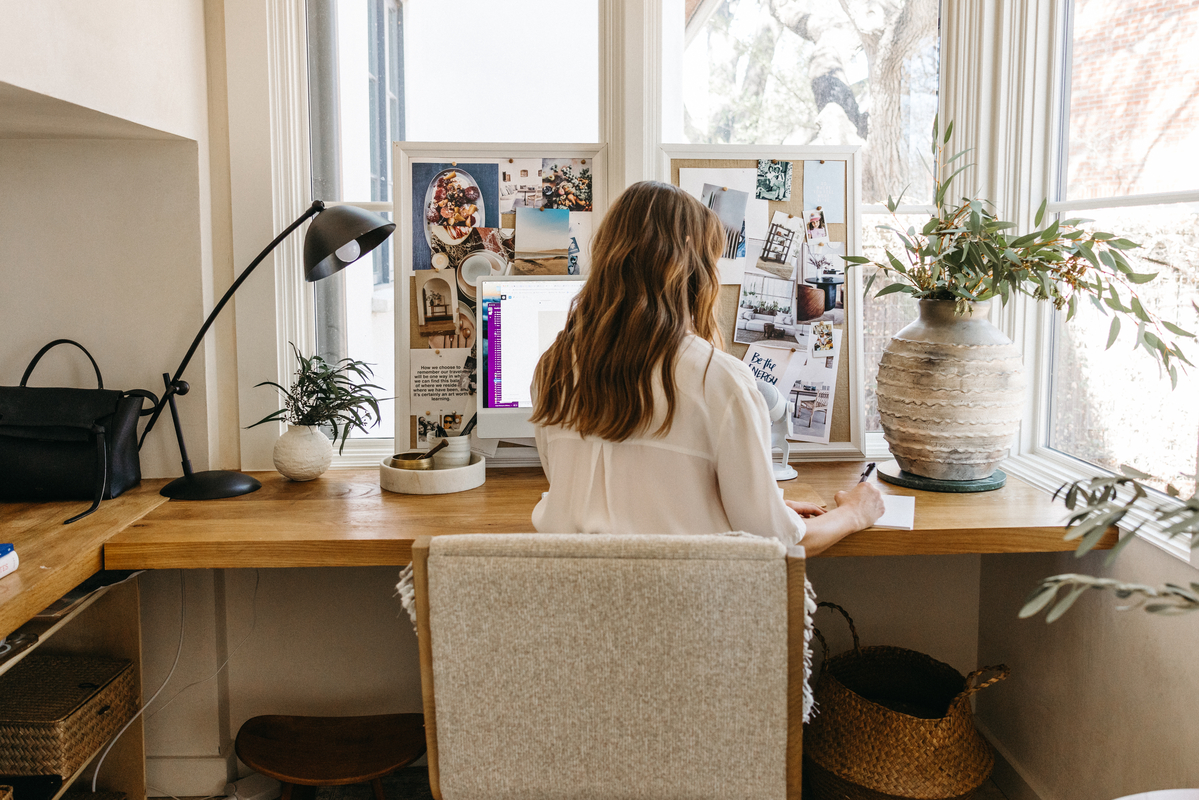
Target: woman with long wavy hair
(644, 424)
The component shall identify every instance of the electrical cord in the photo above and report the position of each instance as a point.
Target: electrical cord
(178, 652)
(225, 663)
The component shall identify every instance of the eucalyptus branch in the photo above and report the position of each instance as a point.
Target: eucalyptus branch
(1100, 503)
(966, 254)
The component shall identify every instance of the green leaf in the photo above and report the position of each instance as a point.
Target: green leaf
(1064, 604)
(948, 132)
(1040, 213)
(1042, 596)
(1139, 310)
(1113, 332)
(1132, 472)
(893, 288)
(1177, 331)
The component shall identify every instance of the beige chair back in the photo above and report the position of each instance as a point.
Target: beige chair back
(610, 667)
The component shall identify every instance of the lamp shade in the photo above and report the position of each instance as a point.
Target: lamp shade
(333, 229)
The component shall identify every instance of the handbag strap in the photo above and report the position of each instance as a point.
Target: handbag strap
(101, 474)
(56, 343)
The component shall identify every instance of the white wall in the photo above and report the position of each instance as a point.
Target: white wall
(140, 60)
(102, 245)
(1101, 703)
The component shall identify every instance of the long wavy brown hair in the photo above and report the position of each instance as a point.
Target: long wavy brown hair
(653, 280)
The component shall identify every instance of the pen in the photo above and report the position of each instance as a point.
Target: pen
(866, 472)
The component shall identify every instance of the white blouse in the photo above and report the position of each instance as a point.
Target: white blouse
(710, 474)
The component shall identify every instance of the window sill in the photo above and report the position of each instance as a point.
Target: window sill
(1049, 470)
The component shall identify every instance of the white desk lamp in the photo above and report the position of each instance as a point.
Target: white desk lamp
(780, 410)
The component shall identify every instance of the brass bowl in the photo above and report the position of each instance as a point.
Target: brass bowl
(410, 461)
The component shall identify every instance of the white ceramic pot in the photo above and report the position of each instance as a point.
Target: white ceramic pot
(302, 453)
(950, 393)
(456, 452)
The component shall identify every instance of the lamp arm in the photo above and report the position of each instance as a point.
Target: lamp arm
(173, 386)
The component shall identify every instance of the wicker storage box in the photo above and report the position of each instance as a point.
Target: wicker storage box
(894, 724)
(5, 793)
(57, 711)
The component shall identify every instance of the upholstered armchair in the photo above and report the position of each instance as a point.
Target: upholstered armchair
(594, 666)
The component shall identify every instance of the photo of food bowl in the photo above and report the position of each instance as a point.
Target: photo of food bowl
(453, 206)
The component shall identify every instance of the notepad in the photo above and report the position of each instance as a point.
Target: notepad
(900, 513)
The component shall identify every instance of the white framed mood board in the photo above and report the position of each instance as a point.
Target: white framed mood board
(788, 306)
(463, 211)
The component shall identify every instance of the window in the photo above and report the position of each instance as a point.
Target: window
(763, 72)
(384, 70)
(856, 72)
(1130, 131)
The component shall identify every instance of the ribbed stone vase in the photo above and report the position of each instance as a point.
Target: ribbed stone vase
(950, 393)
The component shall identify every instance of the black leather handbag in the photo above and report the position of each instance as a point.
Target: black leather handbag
(69, 444)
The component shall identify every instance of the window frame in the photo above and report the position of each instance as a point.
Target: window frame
(1034, 461)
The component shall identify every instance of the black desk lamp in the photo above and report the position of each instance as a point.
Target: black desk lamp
(337, 237)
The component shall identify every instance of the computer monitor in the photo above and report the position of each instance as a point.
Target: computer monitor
(519, 318)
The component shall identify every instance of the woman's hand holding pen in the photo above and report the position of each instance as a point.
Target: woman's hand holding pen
(857, 509)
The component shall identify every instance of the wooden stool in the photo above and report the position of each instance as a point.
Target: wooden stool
(330, 751)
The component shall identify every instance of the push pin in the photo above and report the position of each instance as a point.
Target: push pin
(455, 163)
(774, 161)
(583, 161)
(724, 188)
(822, 161)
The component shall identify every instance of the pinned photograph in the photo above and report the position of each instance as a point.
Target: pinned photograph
(578, 252)
(765, 312)
(448, 202)
(812, 394)
(774, 179)
(823, 258)
(824, 187)
(823, 280)
(520, 184)
(542, 241)
(822, 338)
(815, 225)
(780, 249)
(436, 302)
(566, 183)
(729, 205)
(757, 212)
(463, 335)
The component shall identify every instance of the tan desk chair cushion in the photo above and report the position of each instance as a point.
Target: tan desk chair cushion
(588, 666)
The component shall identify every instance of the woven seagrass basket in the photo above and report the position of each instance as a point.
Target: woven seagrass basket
(57, 711)
(894, 723)
(5, 793)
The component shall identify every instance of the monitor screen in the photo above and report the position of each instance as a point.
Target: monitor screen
(519, 318)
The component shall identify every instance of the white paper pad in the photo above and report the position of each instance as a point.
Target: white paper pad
(900, 513)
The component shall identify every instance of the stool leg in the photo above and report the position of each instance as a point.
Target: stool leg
(287, 787)
(377, 785)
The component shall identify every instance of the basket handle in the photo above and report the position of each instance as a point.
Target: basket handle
(857, 644)
(1001, 671)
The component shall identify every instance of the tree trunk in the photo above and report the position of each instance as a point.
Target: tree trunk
(896, 36)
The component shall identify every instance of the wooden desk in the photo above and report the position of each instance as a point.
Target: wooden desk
(344, 519)
(55, 558)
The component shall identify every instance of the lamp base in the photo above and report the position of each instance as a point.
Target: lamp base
(211, 485)
(784, 472)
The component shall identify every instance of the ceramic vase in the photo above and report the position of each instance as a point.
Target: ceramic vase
(302, 453)
(950, 393)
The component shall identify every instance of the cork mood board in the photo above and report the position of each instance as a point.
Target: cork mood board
(846, 423)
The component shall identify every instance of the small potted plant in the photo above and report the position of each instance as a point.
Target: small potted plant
(322, 394)
(950, 385)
